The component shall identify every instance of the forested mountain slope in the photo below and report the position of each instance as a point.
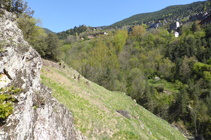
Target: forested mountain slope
(168, 13)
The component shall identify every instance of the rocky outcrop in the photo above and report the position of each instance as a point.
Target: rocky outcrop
(36, 114)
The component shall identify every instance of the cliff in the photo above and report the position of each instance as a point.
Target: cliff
(36, 114)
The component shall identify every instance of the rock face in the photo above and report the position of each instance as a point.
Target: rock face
(36, 115)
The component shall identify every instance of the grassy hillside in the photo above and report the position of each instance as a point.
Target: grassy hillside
(95, 109)
(168, 13)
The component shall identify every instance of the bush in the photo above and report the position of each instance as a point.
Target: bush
(5, 106)
(178, 84)
(160, 88)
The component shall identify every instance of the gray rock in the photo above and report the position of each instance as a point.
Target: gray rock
(157, 78)
(36, 115)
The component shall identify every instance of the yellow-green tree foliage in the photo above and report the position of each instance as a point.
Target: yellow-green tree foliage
(102, 57)
(148, 40)
(119, 40)
(33, 34)
(185, 69)
(138, 30)
(30, 31)
(167, 68)
(150, 61)
(203, 70)
(145, 26)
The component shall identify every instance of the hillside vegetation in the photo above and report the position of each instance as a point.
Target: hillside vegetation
(95, 109)
(48, 31)
(169, 76)
(168, 13)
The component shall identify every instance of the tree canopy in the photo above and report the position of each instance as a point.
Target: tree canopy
(16, 6)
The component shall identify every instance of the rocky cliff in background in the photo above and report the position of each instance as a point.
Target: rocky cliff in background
(36, 114)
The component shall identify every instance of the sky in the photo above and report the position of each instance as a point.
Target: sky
(62, 15)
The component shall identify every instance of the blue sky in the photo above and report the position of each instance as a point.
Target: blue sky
(61, 15)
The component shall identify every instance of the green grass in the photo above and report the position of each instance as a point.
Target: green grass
(170, 86)
(94, 110)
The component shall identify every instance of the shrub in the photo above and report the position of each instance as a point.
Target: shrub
(160, 88)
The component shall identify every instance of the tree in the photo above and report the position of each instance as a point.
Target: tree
(33, 34)
(145, 26)
(185, 70)
(136, 84)
(150, 93)
(184, 100)
(120, 40)
(194, 27)
(70, 39)
(16, 6)
(29, 28)
(208, 31)
(138, 30)
(208, 100)
(40, 46)
(167, 69)
(53, 45)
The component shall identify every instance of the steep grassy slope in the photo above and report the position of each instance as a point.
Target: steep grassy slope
(95, 109)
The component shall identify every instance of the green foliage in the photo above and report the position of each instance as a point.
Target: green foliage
(207, 75)
(130, 64)
(53, 46)
(145, 26)
(138, 31)
(35, 107)
(136, 83)
(119, 40)
(167, 69)
(75, 32)
(168, 13)
(48, 31)
(169, 86)
(5, 108)
(209, 61)
(33, 34)
(16, 6)
(185, 70)
(208, 32)
(184, 100)
(6, 101)
(200, 67)
(160, 88)
(178, 84)
(194, 27)
(47, 45)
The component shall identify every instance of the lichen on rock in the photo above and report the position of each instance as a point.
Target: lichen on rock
(36, 115)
